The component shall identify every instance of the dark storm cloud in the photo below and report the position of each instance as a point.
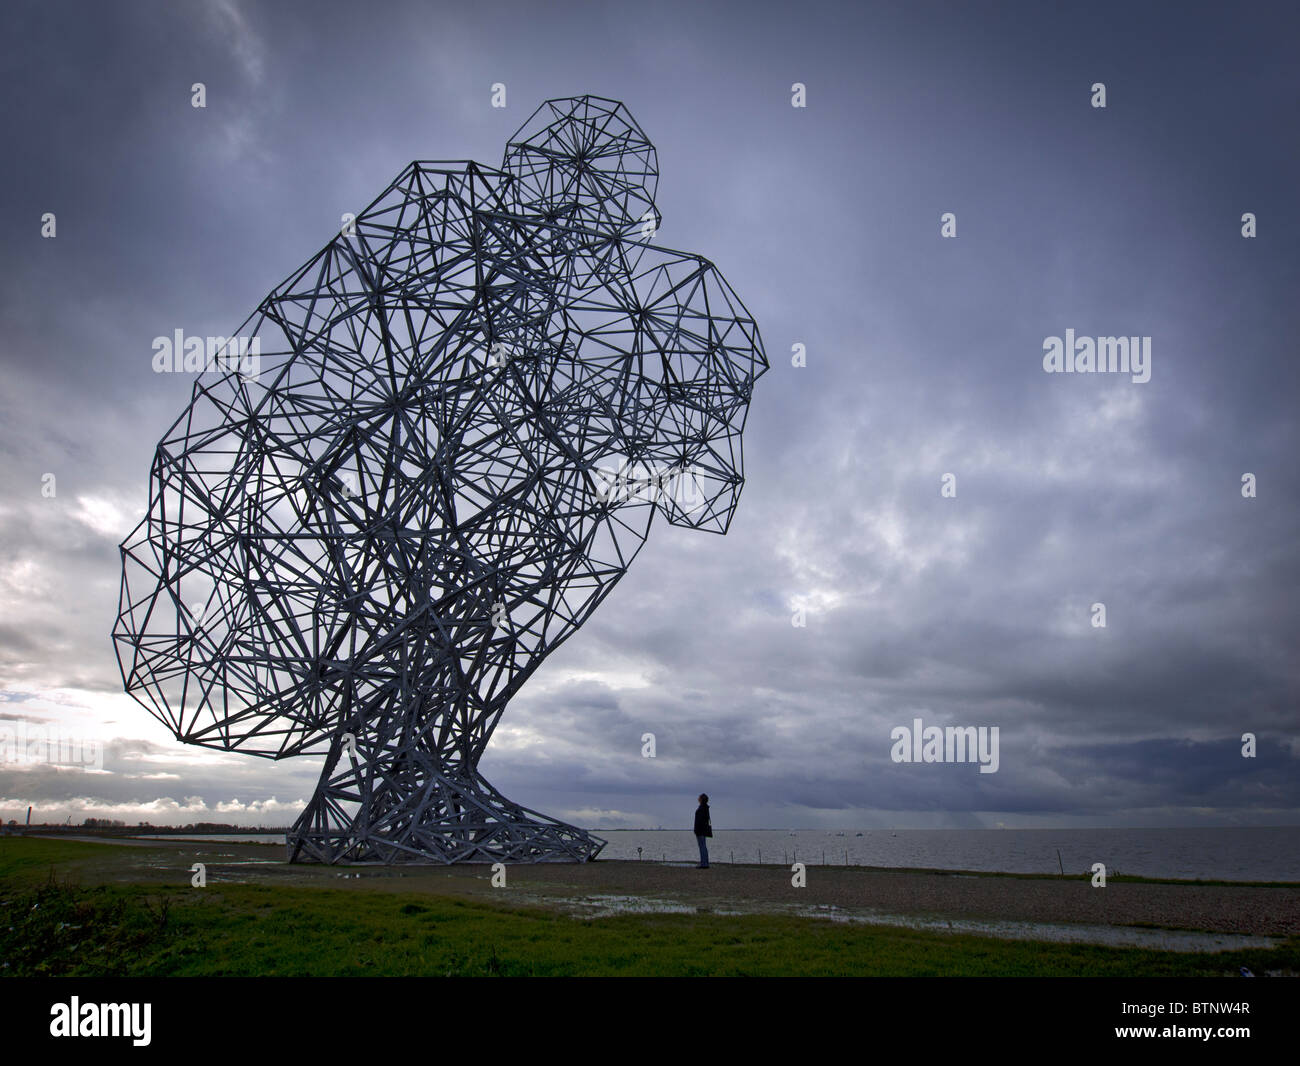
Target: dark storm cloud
(924, 358)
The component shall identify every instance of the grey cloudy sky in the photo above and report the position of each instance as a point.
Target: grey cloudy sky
(924, 357)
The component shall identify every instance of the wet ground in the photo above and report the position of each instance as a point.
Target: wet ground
(1184, 917)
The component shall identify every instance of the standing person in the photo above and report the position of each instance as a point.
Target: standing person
(703, 829)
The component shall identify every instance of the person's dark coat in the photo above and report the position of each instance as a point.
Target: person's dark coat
(703, 827)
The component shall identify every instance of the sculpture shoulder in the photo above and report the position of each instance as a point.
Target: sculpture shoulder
(428, 211)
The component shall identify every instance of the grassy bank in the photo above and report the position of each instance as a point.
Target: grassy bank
(53, 925)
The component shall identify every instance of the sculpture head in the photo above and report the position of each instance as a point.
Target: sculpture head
(584, 162)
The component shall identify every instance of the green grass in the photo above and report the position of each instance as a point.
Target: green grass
(55, 926)
(23, 857)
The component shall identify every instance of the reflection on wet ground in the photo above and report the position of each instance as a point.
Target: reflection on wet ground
(609, 906)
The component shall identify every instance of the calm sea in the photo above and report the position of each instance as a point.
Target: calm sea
(1263, 854)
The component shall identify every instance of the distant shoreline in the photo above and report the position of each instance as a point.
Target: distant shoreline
(1252, 855)
(417, 869)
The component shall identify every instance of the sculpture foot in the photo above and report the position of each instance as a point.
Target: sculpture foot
(446, 820)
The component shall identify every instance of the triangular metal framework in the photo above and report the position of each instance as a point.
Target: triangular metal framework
(462, 417)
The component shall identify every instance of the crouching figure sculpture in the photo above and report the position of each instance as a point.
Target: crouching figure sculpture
(465, 412)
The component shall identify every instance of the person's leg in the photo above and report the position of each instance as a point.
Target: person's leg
(704, 855)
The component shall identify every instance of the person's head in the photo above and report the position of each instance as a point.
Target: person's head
(704, 798)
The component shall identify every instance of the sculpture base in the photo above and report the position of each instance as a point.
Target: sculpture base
(447, 820)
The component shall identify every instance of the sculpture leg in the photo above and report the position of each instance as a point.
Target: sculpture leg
(405, 807)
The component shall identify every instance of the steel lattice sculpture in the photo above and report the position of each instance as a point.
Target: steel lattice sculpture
(365, 548)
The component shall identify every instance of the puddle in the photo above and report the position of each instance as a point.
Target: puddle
(608, 906)
(611, 906)
(1059, 933)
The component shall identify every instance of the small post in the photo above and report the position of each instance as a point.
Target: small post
(1059, 865)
